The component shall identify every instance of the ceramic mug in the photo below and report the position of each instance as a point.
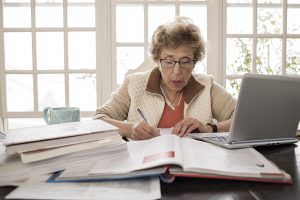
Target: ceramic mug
(57, 115)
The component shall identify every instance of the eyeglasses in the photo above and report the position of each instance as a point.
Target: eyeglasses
(184, 63)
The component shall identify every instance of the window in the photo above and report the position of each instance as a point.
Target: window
(262, 36)
(76, 52)
(137, 20)
(49, 58)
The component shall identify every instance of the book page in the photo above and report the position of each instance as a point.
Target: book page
(162, 150)
(209, 158)
(165, 131)
(37, 188)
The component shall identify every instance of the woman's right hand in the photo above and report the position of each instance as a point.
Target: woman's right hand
(143, 131)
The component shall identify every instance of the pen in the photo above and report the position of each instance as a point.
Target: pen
(142, 114)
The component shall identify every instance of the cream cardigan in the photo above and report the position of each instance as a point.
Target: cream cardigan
(205, 100)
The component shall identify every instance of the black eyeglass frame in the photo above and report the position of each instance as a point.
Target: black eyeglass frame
(178, 61)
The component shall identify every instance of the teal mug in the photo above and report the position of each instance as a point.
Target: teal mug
(58, 115)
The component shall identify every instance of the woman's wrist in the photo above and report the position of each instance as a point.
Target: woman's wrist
(126, 129)
(204, 128)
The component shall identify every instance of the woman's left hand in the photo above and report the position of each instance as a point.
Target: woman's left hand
(186, 126)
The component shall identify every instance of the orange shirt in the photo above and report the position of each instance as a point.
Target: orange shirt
(170, 117)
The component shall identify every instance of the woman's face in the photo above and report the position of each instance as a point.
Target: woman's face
(176, 78)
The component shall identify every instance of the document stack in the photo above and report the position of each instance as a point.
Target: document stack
(50, 148)
(85, 157)
(30, 156)
(44, 142)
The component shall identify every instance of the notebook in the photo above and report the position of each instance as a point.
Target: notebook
(267, 113)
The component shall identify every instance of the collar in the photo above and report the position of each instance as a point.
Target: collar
(192, 89)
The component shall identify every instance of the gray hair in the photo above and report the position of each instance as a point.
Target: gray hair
(180, 31)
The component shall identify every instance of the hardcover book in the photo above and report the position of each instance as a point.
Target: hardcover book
(169, 156)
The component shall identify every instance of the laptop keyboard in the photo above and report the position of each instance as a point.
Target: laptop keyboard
(219, 139)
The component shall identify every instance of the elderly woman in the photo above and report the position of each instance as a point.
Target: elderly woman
(170, 96)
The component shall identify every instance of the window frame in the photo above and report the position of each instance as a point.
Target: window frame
(255, 36)
(105, 27)
(102, 24)
(106, 47)
(214, 33)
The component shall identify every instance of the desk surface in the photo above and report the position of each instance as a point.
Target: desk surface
(287, 157)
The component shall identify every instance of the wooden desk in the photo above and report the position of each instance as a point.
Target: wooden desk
(287, 157)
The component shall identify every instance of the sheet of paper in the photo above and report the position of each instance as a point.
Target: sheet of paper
(37, 188)
(144, 154)
(165, 131)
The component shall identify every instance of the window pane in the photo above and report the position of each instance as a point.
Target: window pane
(17, 51)
(269, 20)
(154, 20)
(51, 90)
(81, 1)
(194, 0)
(239, 1)
(17, 1)
(239, 20)
(269, 53)
(48, 3)
(198, 14)
(16, 16)
(293, 58)
(19, 92)
(201, 67)
(294, 1)
(233, 86)
(269, 1)
(49, 14)
(128, 58)
(82, 50)
(239, 55)
(81, 15)
(293, 23)
(83, 91)
(50, 50)
(129, 23)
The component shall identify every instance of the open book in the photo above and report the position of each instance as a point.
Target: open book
(57, 135)
(171, 156)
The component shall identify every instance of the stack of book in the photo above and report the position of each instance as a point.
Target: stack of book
(44, 142)
(46, 149)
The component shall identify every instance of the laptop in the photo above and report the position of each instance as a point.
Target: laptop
(267, 113)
